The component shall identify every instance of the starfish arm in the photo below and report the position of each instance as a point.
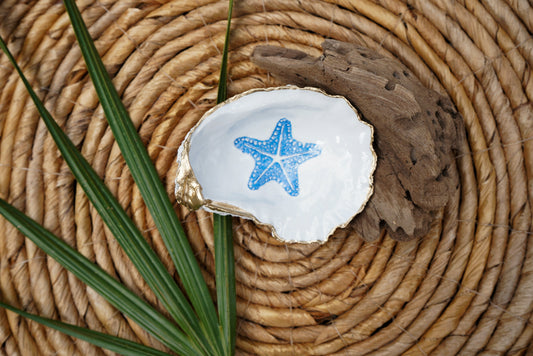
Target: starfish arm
(290, 179)
(285, 135)
(253, 146)
(290, 165)
(293, 147)
(260, 175)
(277, 173)
(311, 150)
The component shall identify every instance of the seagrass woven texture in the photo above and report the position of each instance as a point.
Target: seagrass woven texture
(466, 288)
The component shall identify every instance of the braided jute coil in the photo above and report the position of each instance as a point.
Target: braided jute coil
(465, 288)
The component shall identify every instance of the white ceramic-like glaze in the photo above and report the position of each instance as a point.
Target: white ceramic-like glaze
(324, 155)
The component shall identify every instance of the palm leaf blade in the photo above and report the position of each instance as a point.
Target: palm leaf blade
(148, 182)
(128, 236)
(92, 275)
(224, 258)
(113, 343)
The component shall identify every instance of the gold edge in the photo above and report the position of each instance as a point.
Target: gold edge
(228, 209)
(187, 190)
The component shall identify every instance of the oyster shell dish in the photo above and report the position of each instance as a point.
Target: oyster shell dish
(297, 160)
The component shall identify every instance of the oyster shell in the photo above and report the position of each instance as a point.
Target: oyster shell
(295, 159)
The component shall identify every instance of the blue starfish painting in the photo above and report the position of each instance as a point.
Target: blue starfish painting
(277, 158)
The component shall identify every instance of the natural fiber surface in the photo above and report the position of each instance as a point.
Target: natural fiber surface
(466, 287)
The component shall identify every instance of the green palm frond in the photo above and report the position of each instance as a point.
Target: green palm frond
(196, 327)
(224, 259)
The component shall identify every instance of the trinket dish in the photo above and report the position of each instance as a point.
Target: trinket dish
(295, 159)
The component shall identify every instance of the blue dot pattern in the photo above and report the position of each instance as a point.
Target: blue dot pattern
(277, 158)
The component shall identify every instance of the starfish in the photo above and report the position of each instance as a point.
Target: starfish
(277, 158)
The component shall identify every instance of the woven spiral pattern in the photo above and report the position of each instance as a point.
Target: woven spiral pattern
(465, 288)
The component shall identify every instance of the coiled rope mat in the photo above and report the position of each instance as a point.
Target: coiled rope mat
(466, 288)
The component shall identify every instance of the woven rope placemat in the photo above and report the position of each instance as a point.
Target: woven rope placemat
(465, 288)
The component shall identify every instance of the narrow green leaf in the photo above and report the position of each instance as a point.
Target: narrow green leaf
(149, 184)
(224, 259)
(223, 79)
(96, 278)
(126, 233)
(225, 280)
(113, 343)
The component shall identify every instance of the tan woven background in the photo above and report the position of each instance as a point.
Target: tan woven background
(466, 288)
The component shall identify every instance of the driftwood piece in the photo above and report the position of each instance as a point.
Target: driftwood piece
(416, 130)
